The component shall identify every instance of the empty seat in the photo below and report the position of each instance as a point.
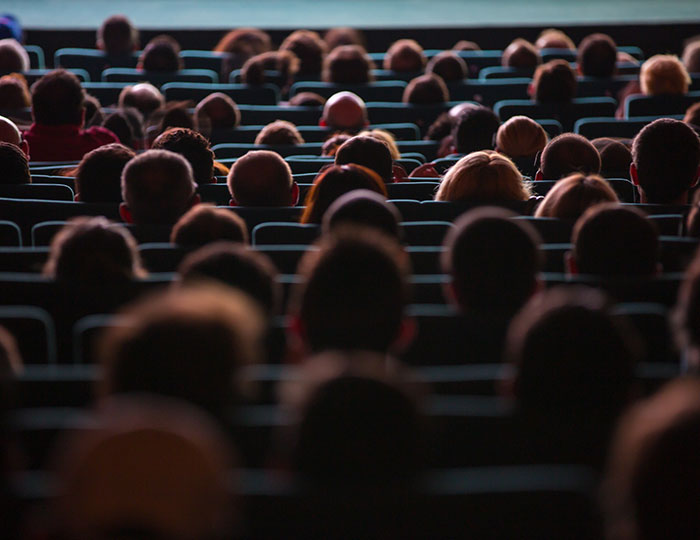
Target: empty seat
(195, 59)
(37, 59)
(419, 191)
(10, 234)
(264, 114)
(34, 330)
(425, 233)
(552, 230)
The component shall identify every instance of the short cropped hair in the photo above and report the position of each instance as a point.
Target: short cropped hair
(405, 55)
(203, 224)
(664, 74)
(348, 64)
(161, 54)
(14, 167)
(219, 110)
(691, 56)
(364, 208)
(308, 47)
(261, 178)
(98, 178)
(58, 98)
(554, 82)
(597, 56)
(474, 129)
(448, 65)
(117, 36)
(614, 241)
(194, 147)
(279, 132)
(520, 136)
(343, 35)
(566, 154)
(13, 57)
(426, 89)
(14, 92)
(571, 196)
(552, 38)
(521, 54)
(369, 152)
(493, 259)
(615, 157)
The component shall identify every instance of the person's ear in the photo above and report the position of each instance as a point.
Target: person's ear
(451, 293)
(322, 122)
(125, 213)
(77, 197)
(405, 335)
(697, 178)
(82, 117)
(294, 194)
(24, 146)
(633, 174)
(232, 202)
(570, 263)
(531, 90)
(538, 175)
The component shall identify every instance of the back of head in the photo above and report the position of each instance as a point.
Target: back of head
(14, 167)
(691, 56)
(521, 54)
(615, 157)
(194, 147)
(279, 132)
(573, 195)
(614, 241)
(14, 92)
(175, 115)
(345, 111)
(334, 182)
(331, 145)
(307, 99)
(448, 65)
(144, 97)
(9, 132)
(554, 82)
(493, 260)
(483, 176)
(572, 359)
(13, 57)
(348, 64)
(117, 36)
(597, 56)
(308, 47)
(218, 111)
(58, 98)
(405, 55)
(123, 127)
(520, 136)
(161, 54)
(465, 45)
(651, 488)
(692, 116)
(364, 208)
(474, 129)
(343, 35)
(188, 343)
(261, 178)
(566, 154)
(666, 157)
(158, 187)
(552, 38)
(353, 292)
(664, 74)
(98, 178)
(203, 224)
(426, 90)
(234, 265)
(369, 152)
(387, 138)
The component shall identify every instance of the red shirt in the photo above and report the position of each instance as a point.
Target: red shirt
(65, 142)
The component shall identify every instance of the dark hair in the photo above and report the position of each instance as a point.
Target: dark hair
(331, 145)
(261, 178)
(426, 89)
(118, 123)
(365, 208)
(14, 92)
(597, 56)
(203, 224)
(308, 47)
(93, 111)
(615, 157)
(117, 36)
(348, 64)
(449, 66)
(343, 35)
(566, 154)
(240, 45)
(307, 99)
(285, 62)
(13, 164)
(666, 154)
(161, 54)
(219, 110)
(554, 82)
(279, 132)
(475, 129)
(611, 240)
(521, 54)
(369, 152)
(405, 55)
(58, 98)
(175, 115)
(194, 147)
(493, 259)
(98, 177)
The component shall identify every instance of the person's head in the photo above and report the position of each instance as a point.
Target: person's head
(406, 56)
(345, 111)
(474, 129)
(572, 360)
(331, 145)
(387, 138)
(651, 485)
(554, 82)
(188, 343)
(614, 241)
(465, 45)
(692, 116)
(615, 157)
(362, 207)
(98, 178)
(148, 467)
(343, 35)
(262, 178)
(279, 132)
(348, 64)
(448, 65)
(143, 97)
(13, 57)
(665, 161)
(175, 115)
(234, 265)
(521, 54)
(194, 147)
(307, 99)
(369, 152)
(244, 42)
(334, 182)
(352, 293)
(571, 196)
(567, 154)
(157, 188)
(9, 133)
(494, 261)
(308, 47)
(663, 74)
(597, 56)
(203, 224)
(217, 111)
(161, 54)
(93, 251)
(284, 62)
(483, 176)
(14, 92)
(117, 36)
(520, 136)
(58, 98)
(552, 38)
(426, 89)
(14, 166)
(691, 56)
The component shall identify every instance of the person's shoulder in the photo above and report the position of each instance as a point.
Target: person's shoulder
(104, 135)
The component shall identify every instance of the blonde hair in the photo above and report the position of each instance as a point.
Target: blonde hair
(387, 138)
(572, 196)
(664, 74)
(520, 136)
(484, 175)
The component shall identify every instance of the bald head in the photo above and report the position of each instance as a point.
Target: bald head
(9, 133)
(262, 178)
(345, 110)
(144, 96)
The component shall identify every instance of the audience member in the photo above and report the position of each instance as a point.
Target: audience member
(665, 162)
(14, 93)
(217, 111)
(554, 82)
(335, 181)
(448, 65)
(127, 125)
(348, 64)
(285, 63)
(173, 115)
(345, 111)
(279, 132)
(307, 99)
(663, 74)
(426, 89)
(13, 57)
(9, 133)
(14, 166)
(566, 154)
(521, 139)
(387, 138)
(551, 38)
(194, 147)
(93, 111)
(343, 35)
(691, 56)
(369, 152)
(615, 157)
(309, 48)
(522, 55)
(464, 45)
(262, 178)
(144, 97)
(161, 55)
(239, 45)
(117, 37)
(365, 208)
(571, 196)
(474, 129)
(330, 147)
(597, 56)
(98, 177)
(203, 224)
(405, 56)
(692, 116)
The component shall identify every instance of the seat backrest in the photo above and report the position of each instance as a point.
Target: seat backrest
(34, 330)
(10, 234)
(266, 94)
(133, 75)
(284, 233)
(565, 113)
(49, 192)
(489, 91)
(374, 91)
(640, 105)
